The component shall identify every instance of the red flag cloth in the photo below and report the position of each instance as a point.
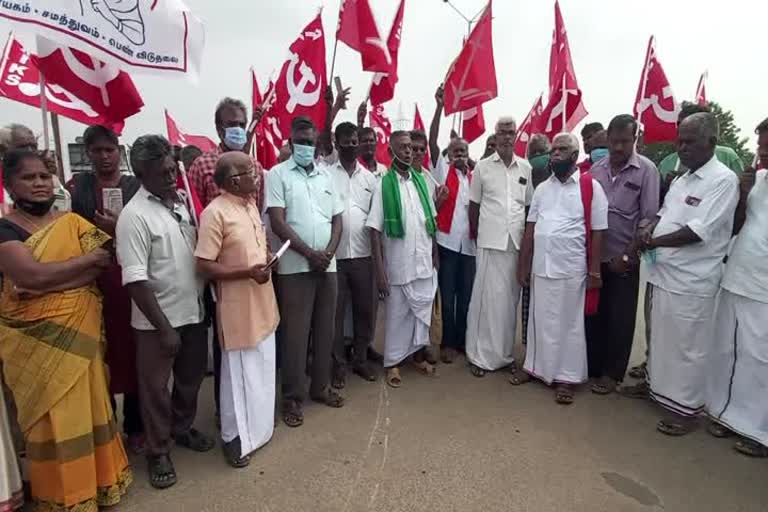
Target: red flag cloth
(20, 81)
(300, 87)
(105, 88)
(655, 106)
(418, 124)
(383, 87)
(564, 109)
(471, 80)
(383, 127)
(178, 138)
(357, 29)
(701, 90)
(473, 124)
(529, 126)
(265, 150)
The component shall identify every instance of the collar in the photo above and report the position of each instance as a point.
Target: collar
(242, 201)
(156, 199)
(574, 177)
(634, 161)
(497, 158)
(701, 171)
(358, 167)
(296, 167)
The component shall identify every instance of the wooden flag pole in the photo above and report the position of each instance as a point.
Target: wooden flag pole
(57, 146)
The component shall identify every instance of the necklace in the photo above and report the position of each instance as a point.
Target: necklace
(29, 221)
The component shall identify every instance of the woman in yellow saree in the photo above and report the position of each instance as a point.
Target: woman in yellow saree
(51, 346)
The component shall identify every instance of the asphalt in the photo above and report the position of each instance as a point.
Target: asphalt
(459, 443)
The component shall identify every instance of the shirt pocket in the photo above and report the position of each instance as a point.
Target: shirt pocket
(323, 199)
(627, 198)
(160, 247)
(362, 197)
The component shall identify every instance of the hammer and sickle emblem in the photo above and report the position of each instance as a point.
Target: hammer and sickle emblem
(98, 76)
(299, 95)
(668, 116)
(53, 93)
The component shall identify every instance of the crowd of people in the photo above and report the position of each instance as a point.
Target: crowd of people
(97, 303)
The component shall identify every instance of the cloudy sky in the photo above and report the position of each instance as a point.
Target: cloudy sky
(608, 42)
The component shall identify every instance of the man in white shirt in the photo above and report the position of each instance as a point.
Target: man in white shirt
(456, 248)
(500, 191)
(354, 269)
(155, 248)
(738, 385)
(686, 244)
(367, 151)
(402, 222)
(561, 264)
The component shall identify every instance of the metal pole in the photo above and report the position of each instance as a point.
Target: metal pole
(57, 145)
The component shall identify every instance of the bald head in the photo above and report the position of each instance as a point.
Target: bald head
(697, 137)
(235, 173)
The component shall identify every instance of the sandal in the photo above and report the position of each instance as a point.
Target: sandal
(364, 371)
(638, 372)
(751, 448)
(673, 429)
(429, 356)
(519, 377)
(232, 451)
(162, 474)
(605, 386)
(640, 390)
(195, 441)
(564, 395)
(426, 369)
(330, 398)
(719, 431)
(339, 377)
(393, 378)
(293, 416)
(476, 371)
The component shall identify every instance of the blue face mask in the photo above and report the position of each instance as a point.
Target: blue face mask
(303, 155)
(598, 154)
(235, 137)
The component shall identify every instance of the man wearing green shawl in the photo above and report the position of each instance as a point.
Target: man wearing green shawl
(402, 228)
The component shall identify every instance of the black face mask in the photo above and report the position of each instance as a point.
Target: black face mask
(347, 153)
(560, 168)
(35, 208)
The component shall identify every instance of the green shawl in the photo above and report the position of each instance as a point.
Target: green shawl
(393, 210)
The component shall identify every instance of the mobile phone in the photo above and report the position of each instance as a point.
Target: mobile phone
(337, 82)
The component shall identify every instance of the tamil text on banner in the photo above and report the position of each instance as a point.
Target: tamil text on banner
(20, 81)
(156, 36)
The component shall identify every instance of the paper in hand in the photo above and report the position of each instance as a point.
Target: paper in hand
(112, 199)
(280, 252)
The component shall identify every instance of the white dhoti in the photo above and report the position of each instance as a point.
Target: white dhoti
(681, 344)
(11, 493)
(492, 317)
(248, 395)
(737, 393)
(408, 317)
(557, 346)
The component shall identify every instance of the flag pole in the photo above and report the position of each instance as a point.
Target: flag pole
(565, 101)
(44, 111)
(57, 146)
(644, 86)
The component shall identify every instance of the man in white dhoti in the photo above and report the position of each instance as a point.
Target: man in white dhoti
(402, 228)
(686, 245)
(560, 264)
(232, 251)
(737, 391)
(500, 191)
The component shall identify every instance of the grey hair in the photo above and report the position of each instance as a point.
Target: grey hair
(148, 149)
(540, 138)
(573, 142)
(506, 120)
(707, 124)
(229, 103)
(5, 138)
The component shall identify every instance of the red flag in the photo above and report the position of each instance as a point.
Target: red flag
(655, 106)
(178, 138)
(20, 81)
(383, 87)
(565, 108)
(473, 124)
(701, 90)
(471, 80)
(300, 87)
(266, 152)
(418, 124)
(380, 123)
(529, 126)
(105, 88)
(357, 29)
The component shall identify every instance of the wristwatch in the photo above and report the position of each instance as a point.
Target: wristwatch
(625, 258)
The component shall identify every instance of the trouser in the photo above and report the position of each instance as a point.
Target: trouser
(354, 284)
(165, 413)
(132, 424)
(212, 320)
(456, 276)
(610, 332)
(307, 301)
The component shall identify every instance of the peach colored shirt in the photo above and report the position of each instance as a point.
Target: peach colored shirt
(232, 234)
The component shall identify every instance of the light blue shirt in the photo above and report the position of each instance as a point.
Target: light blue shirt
(310, 201)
